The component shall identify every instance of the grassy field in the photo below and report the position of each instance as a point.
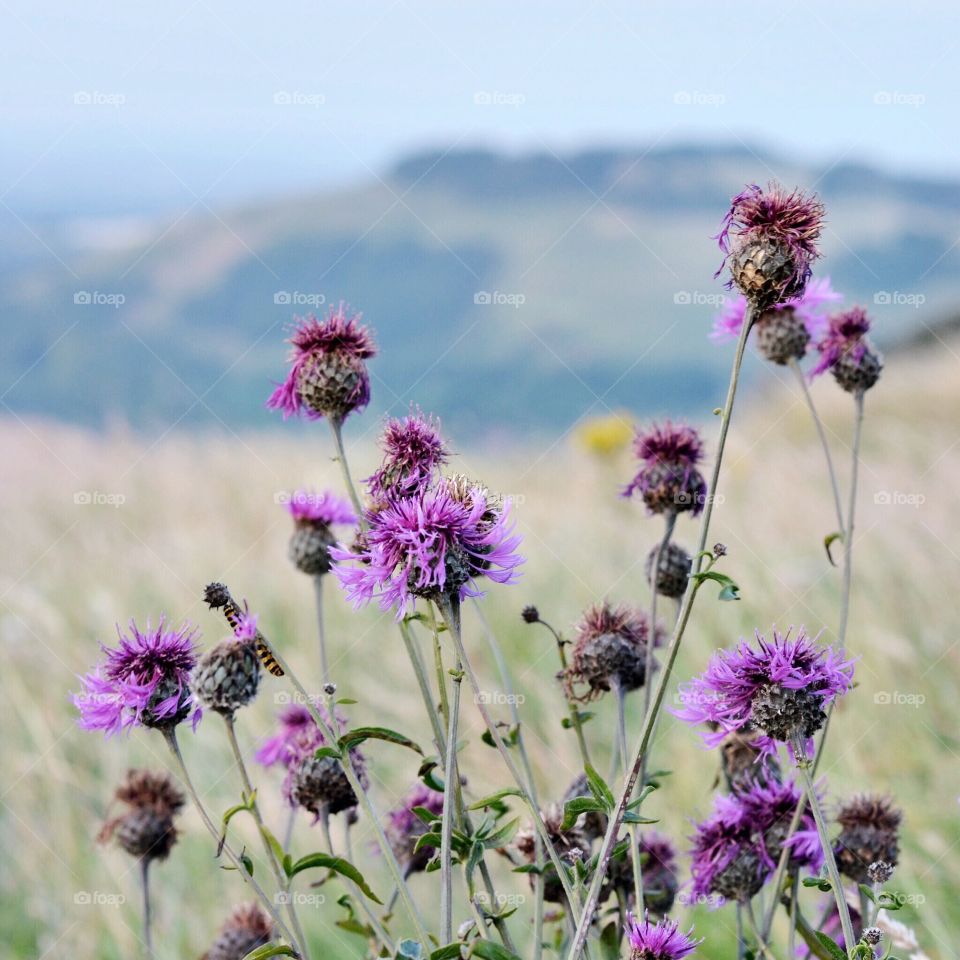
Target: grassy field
(165, 517)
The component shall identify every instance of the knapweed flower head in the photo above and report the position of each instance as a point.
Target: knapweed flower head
(845, 350)
(725, 862)
(611, 648)
(769, 241)
(313, 782)
(414, 452)
(779, 687)
(669, 480)
(227, 676)
(570, 845)
(782, 332)
(247, 928)
(404, 827)
(143, 681)
(745, 761)
(673, 569)
(870, 832)
(659, 941)
(314, 516)
(436, 544)
(658, 860)
(145, 829)
(294, 724)
(767, 810)
(328, 373)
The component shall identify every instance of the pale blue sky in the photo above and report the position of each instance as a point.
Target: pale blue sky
(117, 106)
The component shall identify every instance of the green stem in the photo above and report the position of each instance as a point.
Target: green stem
(848, 533)
(170, 736)
(822, 434)
(283, 884)
(631, 828)
(147, 913)
(451, 777)
(321, 629)
(420, 671)
(613, 826)
(810, 937)
(670, 522)
(336, 428)
(803, 766)
(761, 942)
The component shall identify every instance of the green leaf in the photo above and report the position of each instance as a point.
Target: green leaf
(495, 797)
(867, 891)
(502, 836)
(584, 716)
(346, 701)
(829, 944)
(431, 839)
(328, 752)
(631, 817)
(425, 816)
(528, 868)
(227, 817)
(247, 862)
(274, 843)
(599, 788)
(358, 734)
(450, 952)
(610, 942)
(828, 542)
(337, 865)
(488, 950)
(270, 950)
(573, 809)
(729, 589)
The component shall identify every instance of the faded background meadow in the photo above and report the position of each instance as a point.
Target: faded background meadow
(520, 198)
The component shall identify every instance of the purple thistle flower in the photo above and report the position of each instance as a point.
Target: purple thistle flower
(846, 350)
(414, 452)
(295, 724)
(725, 862)
(437, 542)
(144, 681)
(328, 376)
(769, 239)
(321, 508)
(668, 479)
(778, 686)
(809, 307)
(767, 810)
(404, 827)
(658, 941)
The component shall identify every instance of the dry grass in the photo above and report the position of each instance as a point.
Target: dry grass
(197, 509)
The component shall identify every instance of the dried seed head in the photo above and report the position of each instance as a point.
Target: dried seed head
(146, 828)
(880, 871)
(672, 570)
(870, 832)
(856, 374)
(782, 335)
(530, 615)
(247, 928)
(227, 677)
(216, 595)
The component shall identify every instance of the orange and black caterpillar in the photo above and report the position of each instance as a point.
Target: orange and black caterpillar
(218, 596)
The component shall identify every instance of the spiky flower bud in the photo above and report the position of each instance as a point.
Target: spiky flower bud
(880, 871)
(870, 832)
(782, 335)
(247, 928)
(314, 516)
(227, 677)
(569, 844)
(673, 570)
(719, 550)
(328, 373)
(146, 828)
(769, 240)
(611, 649)
(318, 782)
(668, 479)
(846, 351)
(872, 936)
(530, 615)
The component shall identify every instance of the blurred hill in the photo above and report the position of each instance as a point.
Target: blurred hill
(556, 285)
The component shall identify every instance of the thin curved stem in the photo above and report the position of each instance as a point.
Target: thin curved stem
(670, 523)
(848, 533)
(147, 913)
(171, 737)
(613, 826)
(631, 828)
(822, 434)
(761, 941)
(420, 671)
(321, 629)
(803, 766)
(283, 884)
(336, 428)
